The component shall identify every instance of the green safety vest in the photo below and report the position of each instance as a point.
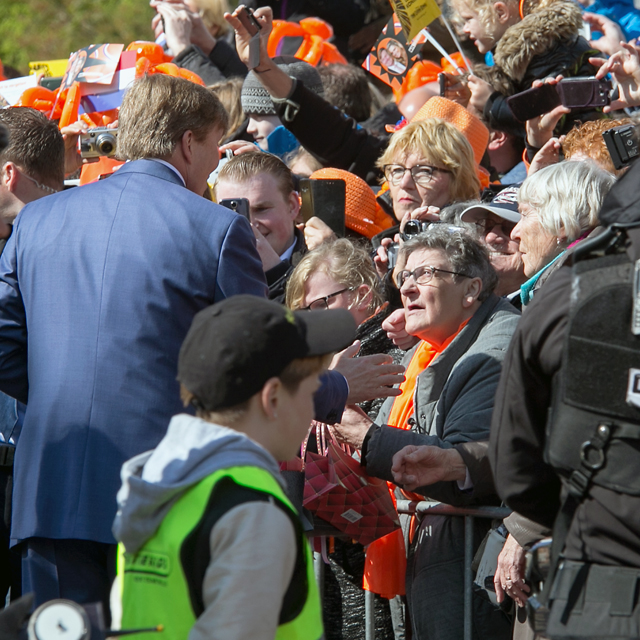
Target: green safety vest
(154, 586)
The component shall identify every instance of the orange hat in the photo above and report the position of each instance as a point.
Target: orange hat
(462, 119)
(362, 213)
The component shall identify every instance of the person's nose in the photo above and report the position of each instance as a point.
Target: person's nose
(407, 181)
(496, 235)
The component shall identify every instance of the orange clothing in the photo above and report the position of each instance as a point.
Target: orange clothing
(386, 558)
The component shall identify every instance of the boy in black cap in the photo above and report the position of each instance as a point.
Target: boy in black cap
(211, 547)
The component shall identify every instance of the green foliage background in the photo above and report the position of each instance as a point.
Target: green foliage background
(52, 29)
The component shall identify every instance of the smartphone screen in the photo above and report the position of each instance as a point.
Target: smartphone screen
(326, 200)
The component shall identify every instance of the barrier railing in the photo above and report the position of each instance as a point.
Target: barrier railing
(410, 507)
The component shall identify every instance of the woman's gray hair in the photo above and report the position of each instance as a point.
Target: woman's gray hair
(465, 254)
(567, 196)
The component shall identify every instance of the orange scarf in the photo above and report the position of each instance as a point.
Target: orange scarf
(386, 558)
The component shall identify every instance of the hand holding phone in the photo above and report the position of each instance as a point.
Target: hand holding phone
(251, 24)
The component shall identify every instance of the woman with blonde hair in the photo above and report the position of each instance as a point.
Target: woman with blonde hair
(428, 163)
(340, 275)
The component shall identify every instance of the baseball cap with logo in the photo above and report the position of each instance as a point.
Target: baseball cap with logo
(504, 205)
(234, 346)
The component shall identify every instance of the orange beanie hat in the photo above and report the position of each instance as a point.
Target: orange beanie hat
(462, 119)
(362, 213)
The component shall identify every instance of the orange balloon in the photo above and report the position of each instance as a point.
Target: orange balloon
(190, 75)
(71, 106)
(149, 50)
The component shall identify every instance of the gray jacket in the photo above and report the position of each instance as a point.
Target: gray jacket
(453, 400)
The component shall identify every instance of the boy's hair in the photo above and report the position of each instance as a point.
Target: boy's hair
(484, 9)
(291, 377)
(248, 165)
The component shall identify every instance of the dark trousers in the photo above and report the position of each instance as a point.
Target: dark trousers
(9, 558)
(78, 570)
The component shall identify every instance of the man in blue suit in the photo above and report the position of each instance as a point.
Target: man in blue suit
(98, 287)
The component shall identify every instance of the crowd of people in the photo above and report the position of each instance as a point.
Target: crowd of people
(161, 354)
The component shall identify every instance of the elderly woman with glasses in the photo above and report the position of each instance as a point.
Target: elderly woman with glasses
(428, 164)
(341, 275)
(446, 283)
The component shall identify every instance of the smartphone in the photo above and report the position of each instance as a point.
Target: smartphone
(249, 22)
(579, 93)
(239, 205)
(325, 199)
(532, 103)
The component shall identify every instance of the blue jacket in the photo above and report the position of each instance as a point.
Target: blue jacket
(98, 287)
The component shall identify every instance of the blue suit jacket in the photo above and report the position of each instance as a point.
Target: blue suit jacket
(98, 287)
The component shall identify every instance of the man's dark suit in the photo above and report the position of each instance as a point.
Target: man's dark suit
(98, 287)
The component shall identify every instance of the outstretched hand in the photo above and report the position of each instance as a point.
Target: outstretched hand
(625, 68)
(414, 466)
(368, 377)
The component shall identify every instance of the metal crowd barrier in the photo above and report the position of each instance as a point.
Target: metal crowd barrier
(410, 507)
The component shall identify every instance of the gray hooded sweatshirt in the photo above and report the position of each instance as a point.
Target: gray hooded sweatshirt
(253, 547)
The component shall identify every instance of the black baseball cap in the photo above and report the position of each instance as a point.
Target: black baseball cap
(504, 205)
(234, 346)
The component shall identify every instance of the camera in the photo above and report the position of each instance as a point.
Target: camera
(622, 144)
(98, 142)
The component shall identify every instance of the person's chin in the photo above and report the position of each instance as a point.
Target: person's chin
(262, 143)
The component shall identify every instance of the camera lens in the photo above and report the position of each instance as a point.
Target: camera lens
(106, 144)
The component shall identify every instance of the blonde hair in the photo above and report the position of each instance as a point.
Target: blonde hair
(442, 145)
(349, 264)
(228, 92)
(212, 14)
(485, 10)
(567, 196)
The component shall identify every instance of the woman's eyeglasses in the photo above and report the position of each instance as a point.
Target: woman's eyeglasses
(323, 303)
(422, 174)
(423, 275)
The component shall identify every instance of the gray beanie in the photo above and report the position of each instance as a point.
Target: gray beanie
(256, 99)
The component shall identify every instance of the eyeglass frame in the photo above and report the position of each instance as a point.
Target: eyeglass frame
(412, 274)
(326, 299)
(410, 170)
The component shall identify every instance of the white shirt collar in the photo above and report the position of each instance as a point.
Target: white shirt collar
(289, 252)
(168, 164)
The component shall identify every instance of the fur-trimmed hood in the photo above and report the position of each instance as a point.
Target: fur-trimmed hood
(539, 31)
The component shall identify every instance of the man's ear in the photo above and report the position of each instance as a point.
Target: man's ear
(496, 140)
(294, 204)
(270, 398)
(473, 288)
(10, 176)
(186, 145)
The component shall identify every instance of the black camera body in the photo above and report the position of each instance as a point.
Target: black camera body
(98, 142)
(622, 144)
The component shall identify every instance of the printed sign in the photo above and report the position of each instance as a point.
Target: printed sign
(415, 15)
(50, 68)
(392, 56)
(11, 90)
(95, 63)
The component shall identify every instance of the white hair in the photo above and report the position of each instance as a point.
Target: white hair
(567, 196)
